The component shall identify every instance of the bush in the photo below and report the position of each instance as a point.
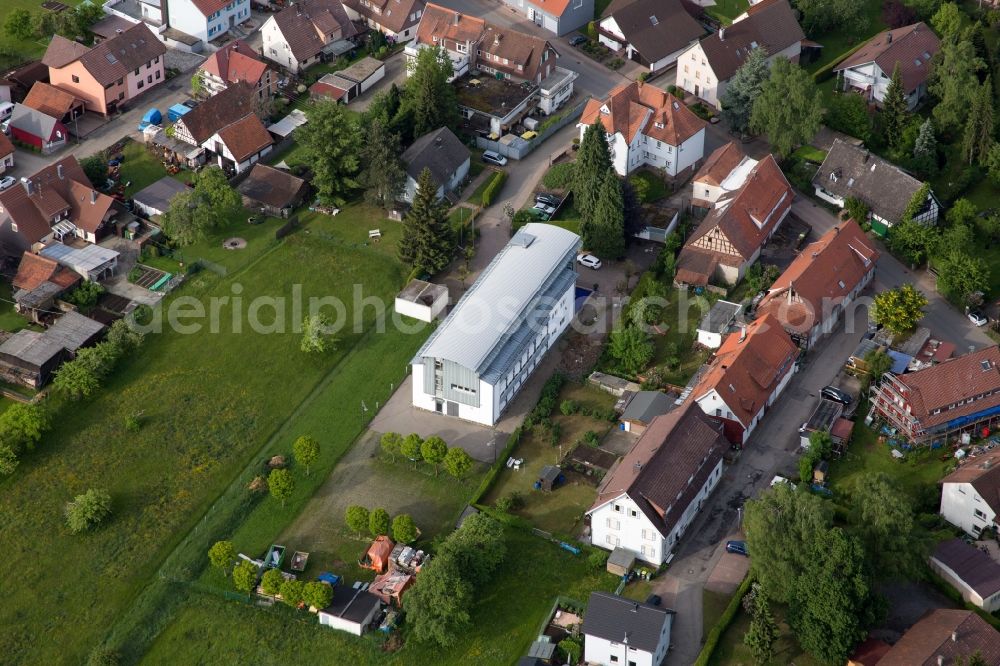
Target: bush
(591, 438)
(559, 176)
(569, 407)
(521, 218)
(86, 295)
(598, 559)
(88, 510)
(492, 188)
(510, 503)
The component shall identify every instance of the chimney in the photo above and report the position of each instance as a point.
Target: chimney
(496, 39)
(28, 187)
(743, 333)
(940, 660)
(888, 37)
(635, 607)
(457, 17)
(93, 197)
(954, 637)
(722, 34)
(59, 171)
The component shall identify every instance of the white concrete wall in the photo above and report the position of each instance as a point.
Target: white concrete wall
(959, 504)
(275, 46)
(600, 651)
(627, 527)
(187, 18)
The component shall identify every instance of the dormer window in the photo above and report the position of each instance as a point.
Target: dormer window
(658, 125)
(13, 227)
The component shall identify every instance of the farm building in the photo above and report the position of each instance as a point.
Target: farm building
(422, 300)
(155, 199)
(476, 361)
(350, 610)
(38, 283)
(272, 191)
(29, 358)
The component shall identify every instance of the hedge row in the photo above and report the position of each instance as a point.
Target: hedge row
(715, 634)
(493, 188)
(484, 485)
(826, 71)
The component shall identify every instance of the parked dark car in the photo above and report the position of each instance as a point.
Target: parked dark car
(578, 40)
(191, 103)
(837, 395)
(548, 199)
(654, 600)
(738, 547)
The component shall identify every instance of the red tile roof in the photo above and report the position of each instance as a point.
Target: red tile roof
(209, 7)
(911, 47)
(946, 633)
(6, 147)
(636, 107)
(50, 100)
(236, 61)
(745, 218)
(35, 269)
(820, 278)
(246, 137)
(748, 367)
(868, 653)
(53, 193)
(310, 25)
(667, 466)
(965, 378)
(720, 164)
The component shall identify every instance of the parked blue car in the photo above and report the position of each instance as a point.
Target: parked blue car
(738, 547)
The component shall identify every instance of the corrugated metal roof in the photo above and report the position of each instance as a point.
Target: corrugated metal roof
(496, 302)
(86, 259)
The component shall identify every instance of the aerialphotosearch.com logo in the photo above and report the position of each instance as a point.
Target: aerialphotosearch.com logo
(275, 315)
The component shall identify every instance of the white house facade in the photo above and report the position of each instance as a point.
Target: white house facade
(207, 19)
(475, 363)
(965, 508)
(667, 135)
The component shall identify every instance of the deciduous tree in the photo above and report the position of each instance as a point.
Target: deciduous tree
(457, 462)
(427, 243)
(433, 450)
(410, 447)
(96, 169)
(882, 519)
(780, 526)
(22, 426)
(379, 522)
(390, 444)
(961, 275)
(833, 604)
(88, 510)
(912, 241)
(271, 581)
(788, 109)
(631, 347)
(317, 594)
(316, 335)
(306, 451)
(743, 89)
(18, 24)
(330, 144)
(356, 518)
(478, 547)
(592, 163)
(403, 529)
(848, 113)
(878, 363)
(899, 309)
(222, 554)
(245, 577)
(437, 605)
(292, 592)
(281, 484)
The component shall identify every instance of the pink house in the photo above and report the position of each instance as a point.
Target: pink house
(111, 74)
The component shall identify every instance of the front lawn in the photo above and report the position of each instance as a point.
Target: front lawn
(837, 43)
(210, 403)
(649, 186)
(10, 320)
(726, 10)
(680, 332)
(503, 623)
(476, 197)
(559, 511)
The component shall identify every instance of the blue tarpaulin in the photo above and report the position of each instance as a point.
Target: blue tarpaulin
(176, 111)
(899, 361)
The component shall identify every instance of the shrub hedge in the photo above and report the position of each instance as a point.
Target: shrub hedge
(493, 188)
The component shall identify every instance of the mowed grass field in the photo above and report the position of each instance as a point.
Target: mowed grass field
(209, 403)
(16, 51)
(504, 621)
